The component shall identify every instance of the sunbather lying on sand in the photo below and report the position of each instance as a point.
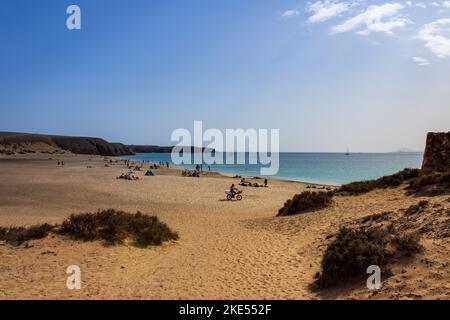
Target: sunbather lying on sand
(246, 183)
(187, 173)
(128, 176)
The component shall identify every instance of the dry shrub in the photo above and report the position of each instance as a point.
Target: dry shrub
(354, 250)
(114, 227)
(431, 184)
(394, 180)
(415, 208)
(306, 201)
(17, 235)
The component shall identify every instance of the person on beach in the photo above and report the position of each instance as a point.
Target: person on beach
(233, 189)
(265, 183)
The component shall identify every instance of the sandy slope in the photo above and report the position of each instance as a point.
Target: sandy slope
(226, 249)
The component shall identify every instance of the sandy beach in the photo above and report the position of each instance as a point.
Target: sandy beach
(226, 249)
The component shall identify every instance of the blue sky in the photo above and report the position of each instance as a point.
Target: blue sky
(368, 75)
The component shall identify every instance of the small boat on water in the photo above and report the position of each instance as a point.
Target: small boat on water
(348, 152)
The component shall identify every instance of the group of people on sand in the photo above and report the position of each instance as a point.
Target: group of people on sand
(189, 173)
(61, 163)
(246, 183)
(128, 176)
(318, 187)
(160, 164)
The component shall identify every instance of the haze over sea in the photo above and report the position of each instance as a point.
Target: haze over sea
(330, 168)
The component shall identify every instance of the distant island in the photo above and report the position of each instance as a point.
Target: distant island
(407, 150)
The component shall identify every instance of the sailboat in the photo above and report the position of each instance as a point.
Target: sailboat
(348, 152)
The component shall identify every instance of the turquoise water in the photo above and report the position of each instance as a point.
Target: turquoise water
(332, 168)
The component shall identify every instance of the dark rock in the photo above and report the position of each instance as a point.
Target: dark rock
(437, 152)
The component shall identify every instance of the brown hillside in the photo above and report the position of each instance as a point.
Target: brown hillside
(79, 145)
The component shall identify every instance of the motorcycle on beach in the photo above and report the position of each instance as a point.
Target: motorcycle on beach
(233, 195)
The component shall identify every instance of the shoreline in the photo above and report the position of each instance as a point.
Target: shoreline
(274, 178)
(329, 169)
(232, 174)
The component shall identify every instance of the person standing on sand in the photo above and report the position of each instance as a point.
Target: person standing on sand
(265, 182)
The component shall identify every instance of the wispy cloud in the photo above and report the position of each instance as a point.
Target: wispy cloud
(435, 35)
(441, 4)
(421, 61)
(376, 18)
(290, 13)
(325, 10)
(364, 17)
(421, 5)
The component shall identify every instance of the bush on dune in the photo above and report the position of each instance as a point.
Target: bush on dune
(408, 243)
(114, 227)
(111, 226)
(431, 183)
(306, 201)
(17, 235)
(394, 180)
(354, 250)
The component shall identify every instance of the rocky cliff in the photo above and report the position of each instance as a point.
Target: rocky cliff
(437, 152)
(79, 145)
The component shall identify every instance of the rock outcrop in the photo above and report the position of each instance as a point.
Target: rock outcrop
(79, 145)
(437, 152)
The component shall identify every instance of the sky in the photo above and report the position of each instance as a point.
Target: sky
(372, 76)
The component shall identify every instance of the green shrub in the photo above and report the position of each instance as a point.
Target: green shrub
(360, 187)
(306, 201)
(18, 235)
(351, 253)
(114, 227)
(354, 250)
(111, 226)
(154, 234)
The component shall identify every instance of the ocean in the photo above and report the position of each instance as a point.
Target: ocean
(329, 168)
